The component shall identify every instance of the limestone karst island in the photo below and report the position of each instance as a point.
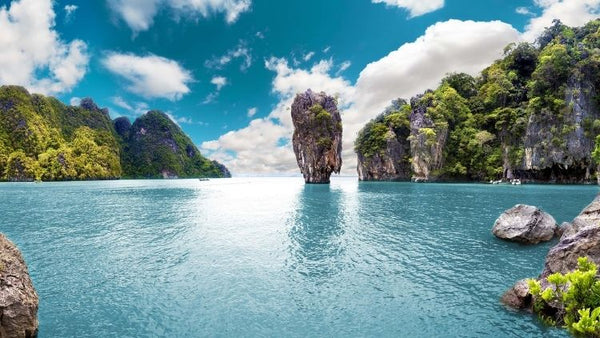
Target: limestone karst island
(251, 168)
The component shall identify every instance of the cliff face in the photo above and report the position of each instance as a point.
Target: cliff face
(385, 151)
(317, 138)
(43, 139)
(427, 140)
(533, 115)
(557, 146)
(155, 147)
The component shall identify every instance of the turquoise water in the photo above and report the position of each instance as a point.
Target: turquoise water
(273, 257)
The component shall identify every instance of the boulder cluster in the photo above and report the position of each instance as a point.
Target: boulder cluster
(579, 238)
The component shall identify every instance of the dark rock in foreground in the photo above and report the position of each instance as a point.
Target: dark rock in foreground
(525, 224)
(317, 136)
(18, 299)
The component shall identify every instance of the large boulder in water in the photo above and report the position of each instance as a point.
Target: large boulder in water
(525, 224)
(18, 299)
(317, 136)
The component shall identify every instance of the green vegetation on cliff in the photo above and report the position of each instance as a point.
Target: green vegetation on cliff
(154, 147)
(43, 139)
(532, 114)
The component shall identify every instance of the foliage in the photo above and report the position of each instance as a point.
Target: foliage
(575, 294)
(482, 123)
(155, 146)
(43, 139)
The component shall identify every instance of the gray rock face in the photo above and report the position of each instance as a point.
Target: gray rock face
(567, 160)
(18, 299)
(525, 224)
(389, 166)
(427, 153)
(563, 257)
(517, 297)
(317, 136)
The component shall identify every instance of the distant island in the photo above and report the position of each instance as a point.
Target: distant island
(43, 139)
(532, 115)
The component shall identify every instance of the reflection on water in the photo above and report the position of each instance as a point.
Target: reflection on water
(316, 229)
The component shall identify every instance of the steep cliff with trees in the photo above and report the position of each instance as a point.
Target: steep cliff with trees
(531, 115)
(43, 139)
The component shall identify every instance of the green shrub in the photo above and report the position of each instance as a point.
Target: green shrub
(571, 299)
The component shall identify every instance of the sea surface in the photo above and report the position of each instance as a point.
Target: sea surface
(274, 257)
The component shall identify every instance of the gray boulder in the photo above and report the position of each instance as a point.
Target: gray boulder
(517, 297)
(525, 224)
(563, 256)
(18, 299)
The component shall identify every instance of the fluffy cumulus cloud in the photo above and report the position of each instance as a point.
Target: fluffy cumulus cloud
(150, 76)
(139, 14)
(415, 7)
(449, 46)
(570, 12)
(31, 47)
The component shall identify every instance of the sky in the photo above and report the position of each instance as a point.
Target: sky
(226, 71)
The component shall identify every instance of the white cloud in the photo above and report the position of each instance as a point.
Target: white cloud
(219, 82)
(451, 46)
(308, 56)
(70, 9)
(121, 103)
(345, 65)
(239, 52)
(179, 120)
(415, 7)
(252, 111)
(31, 46)
(75, 101)
(523, 11)
(571, 12)
(139, 14)
(134, 109)
(150, 76)
(210, 98)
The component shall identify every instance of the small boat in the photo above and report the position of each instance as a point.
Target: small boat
(516, 181)
(203, 179)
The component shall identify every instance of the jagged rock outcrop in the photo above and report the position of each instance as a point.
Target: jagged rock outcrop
(563, 256)
(156, 147)
(581, 239)
(383, 149)
(558, 147)
(427, 140)
(525, 224)
(317, 136)
(18, 299)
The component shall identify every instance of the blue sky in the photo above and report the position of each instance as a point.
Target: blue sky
(226, 70)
